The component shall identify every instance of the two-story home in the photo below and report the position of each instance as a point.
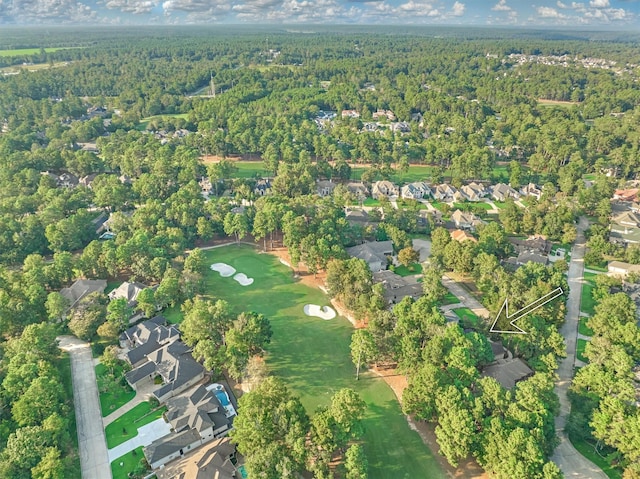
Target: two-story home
(444, 192)
(531, 190)
(416, 190)
(625, 228)
(325, 187)
(359, 190)
(262, 187)
(501, 192)
(384, 188)
(465, 221)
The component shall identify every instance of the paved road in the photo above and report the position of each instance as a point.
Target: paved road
(573, 464)
(94, 460)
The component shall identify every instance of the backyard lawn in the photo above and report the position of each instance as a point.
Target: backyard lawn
(173, 315)
(126, 426)
(313, 357)
(129, 461)
(116, 395)
(415, 268)
(468, 317)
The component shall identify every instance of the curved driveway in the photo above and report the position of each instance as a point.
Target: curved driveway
(573, 464)
(94, 460)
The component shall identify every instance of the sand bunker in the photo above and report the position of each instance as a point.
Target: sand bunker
(324, 312)
(242, 279)
(224, 269)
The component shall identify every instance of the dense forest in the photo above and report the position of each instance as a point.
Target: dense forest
(136, 113)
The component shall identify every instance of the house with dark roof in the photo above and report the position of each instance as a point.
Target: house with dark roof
(172, 362)
(262, 187)
(397, 287)
(82, 288)
(508, 372)
(531, 257)
(533, 244)
(625, 228)
(196, 418)
(374, 253)
(357, 216)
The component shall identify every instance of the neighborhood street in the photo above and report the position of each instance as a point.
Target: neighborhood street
(571, 462)
(94, 460)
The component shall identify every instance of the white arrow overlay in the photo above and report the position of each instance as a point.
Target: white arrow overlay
(538, 303)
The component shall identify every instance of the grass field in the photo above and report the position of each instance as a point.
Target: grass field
(114, 398)
(312, 356)
(129, 462)
(582, 344)
(28, 51)
(587, 451)
(587, 303)
(130, 422)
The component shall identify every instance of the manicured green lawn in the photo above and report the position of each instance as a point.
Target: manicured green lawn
(129, 462)
(481, 205)
(467, 317)
(580, 350)
(116, 396)
(415, 268)
(583, 328)
(500, 204)
(250, 169)
(587, 303)
(126, 426)
(587, 451)
(449, 298)
(370, 202)
(602, 266)
(313, 357)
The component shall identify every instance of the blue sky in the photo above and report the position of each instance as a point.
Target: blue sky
(617, 14)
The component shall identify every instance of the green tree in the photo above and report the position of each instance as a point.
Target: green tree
(408, 256)
(356, 463)
(363, 349)
(270, 431)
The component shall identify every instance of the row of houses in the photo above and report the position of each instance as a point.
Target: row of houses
(64, 179)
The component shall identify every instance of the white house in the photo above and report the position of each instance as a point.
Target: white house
(415, 191)
(384, 188)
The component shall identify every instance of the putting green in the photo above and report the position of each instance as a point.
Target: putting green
(313, 358)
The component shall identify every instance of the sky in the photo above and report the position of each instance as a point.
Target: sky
(605, 14)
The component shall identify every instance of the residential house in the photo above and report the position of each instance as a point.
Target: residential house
(196, 418)
(380, 114)
(465, 221)
(397, 287)
(415, 191)
(444, 192)
(374, 253)
(531, 257)
(350, 114)
(424, 216)
(325, 187)
(357, 216)
(626, 194)
(622, 269)
(534, 244)
(152, 331)
(501, 192)
(632, 290)
(214, 460)
(359, 190)
(384, 188)
(98, 223)
(531, 190)
(205, 185)
(87, 180)
(171, 362)
(461, 235)
(82, 288)
(625, 228)
(263, 187)
(400, 127)
(130, 292)
(471, 192)
(91, 147)
(508, 372)
(67, 180)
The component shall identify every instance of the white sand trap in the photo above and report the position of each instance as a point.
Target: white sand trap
(224, 269)
(242, 279)
(324, 312)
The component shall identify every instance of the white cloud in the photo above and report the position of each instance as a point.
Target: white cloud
(501, 6)
(43, 11)
(131, 6)
(599, 3)
(559, 4)
(458, 9)
(549, 12)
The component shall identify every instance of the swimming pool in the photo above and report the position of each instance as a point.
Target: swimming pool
(222, 397)
(243, 472)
